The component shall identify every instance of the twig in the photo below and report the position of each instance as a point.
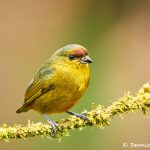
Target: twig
(99, 116)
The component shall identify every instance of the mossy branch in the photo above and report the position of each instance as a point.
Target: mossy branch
(99, 116)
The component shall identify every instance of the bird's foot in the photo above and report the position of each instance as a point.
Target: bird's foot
(81, 116)
(53, 124)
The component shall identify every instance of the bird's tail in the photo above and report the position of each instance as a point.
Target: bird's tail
(22, 109)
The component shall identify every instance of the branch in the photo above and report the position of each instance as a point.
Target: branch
(99, 116)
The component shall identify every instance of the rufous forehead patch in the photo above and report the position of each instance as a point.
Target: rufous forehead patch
(79, 52)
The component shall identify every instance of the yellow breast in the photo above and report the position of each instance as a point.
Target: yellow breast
(73, 84)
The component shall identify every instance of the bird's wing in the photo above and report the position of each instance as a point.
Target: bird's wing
(40, 84)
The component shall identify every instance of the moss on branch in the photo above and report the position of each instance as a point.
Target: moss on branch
(99, 116)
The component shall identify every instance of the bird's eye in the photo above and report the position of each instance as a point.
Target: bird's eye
(71, 57)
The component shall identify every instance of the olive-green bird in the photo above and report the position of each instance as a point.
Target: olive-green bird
(60, 83)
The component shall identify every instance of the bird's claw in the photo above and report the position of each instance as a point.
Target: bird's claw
(53, 124)
(81, 116)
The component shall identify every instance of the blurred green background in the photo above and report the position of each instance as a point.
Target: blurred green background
(117, 35)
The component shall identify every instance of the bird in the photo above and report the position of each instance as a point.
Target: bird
(59, 84)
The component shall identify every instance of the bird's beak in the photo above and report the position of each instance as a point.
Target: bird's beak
(86, 60)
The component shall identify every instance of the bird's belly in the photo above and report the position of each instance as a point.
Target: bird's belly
(57, 101)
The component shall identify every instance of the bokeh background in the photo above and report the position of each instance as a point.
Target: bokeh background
(117, 35)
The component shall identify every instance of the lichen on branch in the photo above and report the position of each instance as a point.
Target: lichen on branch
(99, 116)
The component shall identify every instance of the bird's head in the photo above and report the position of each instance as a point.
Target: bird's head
(73, 54)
